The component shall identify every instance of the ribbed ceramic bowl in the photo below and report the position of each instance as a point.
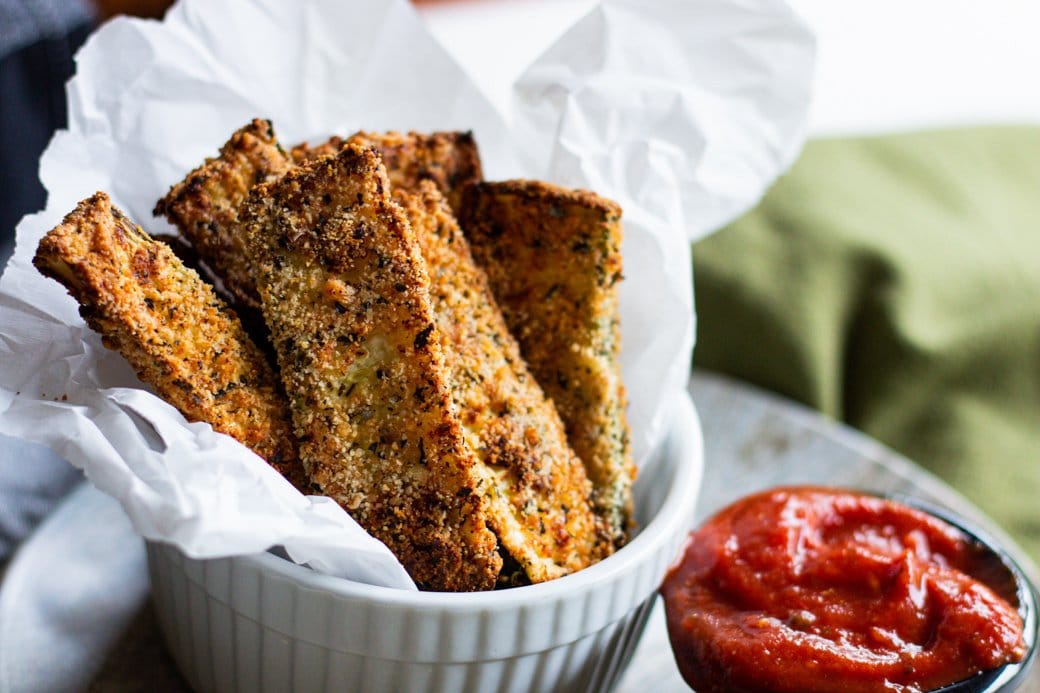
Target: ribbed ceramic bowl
(259, 622)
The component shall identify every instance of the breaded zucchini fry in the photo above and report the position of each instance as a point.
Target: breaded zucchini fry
(450, 159)
(179, 337)
(346, 297)
(304, 153)
(553, 258)
(204, 206)
(540, 506)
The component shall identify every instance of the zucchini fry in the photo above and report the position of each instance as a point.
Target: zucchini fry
(304, 153)
(346, 296)
(450, 159)
(553, 258)
(204, 206)
(539, 494)
(179, 337)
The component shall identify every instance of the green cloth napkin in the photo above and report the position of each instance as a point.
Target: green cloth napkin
(894, 283)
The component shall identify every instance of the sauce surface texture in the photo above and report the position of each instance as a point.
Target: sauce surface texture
(808, 589)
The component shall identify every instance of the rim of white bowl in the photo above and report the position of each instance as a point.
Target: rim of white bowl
(671, 518)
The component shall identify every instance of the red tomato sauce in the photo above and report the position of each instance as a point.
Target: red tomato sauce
(809, 589)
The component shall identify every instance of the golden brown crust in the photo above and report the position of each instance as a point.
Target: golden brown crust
(346, 297)
(450, 159)
(553, 258)
(179, 337)
(304, 153)
(204, 206)
(538, 494)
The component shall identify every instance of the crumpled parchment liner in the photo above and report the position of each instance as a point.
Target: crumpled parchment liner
(682, 111)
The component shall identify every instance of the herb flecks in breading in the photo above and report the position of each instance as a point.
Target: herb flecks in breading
(553, 258)
(204, 206)
(179, 337)
(540, 510)
(346, 296)
(449, 159)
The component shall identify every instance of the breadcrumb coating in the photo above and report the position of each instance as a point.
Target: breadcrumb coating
(305, 153)
(450, 159)
(204, 206)
(346, 296)
(538, 494)
(179, 337)
(553, 259)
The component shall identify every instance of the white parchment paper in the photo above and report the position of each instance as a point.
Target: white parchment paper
(682, 110)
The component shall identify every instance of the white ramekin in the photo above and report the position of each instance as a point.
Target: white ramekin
(258, 622)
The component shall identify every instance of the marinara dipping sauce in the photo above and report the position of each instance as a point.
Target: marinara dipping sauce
(809, 589)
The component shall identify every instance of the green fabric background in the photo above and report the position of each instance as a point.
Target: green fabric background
(894, 283)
